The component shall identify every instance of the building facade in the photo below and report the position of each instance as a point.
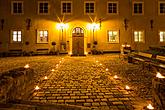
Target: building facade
(78, 26)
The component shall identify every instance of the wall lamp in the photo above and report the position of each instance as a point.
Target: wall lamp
(126, 23)
(151, 23)
(28, 23)
(2, 23)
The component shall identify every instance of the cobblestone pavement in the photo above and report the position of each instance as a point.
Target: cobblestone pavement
(85, 81)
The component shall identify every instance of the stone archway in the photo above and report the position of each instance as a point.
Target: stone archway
(78, 41)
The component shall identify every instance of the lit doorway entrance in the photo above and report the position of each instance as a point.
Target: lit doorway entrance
(78, 41)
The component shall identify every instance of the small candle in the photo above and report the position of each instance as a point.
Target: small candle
(37, 88)
(26, 66)
(127, 87)
(116, 77)
(52, 70)
(150, 107)
(45, 77)
(106, 69)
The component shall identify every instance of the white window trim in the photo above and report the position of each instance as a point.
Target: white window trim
(159, 7)
(11, 36)
(85, 7)
(117, 7)
(110, 42)
(12, 11)
(39, 7)
(62, 8)
(138, 39)
(133, 8)
(38, 35)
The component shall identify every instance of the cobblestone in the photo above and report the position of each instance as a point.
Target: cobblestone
(79, 81)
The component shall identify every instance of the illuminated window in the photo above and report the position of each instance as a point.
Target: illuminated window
(161, 8)
(113, 36)
(66, 7)
(162, 36)
(138, 8)
(17, 7)
(138, 36)
(42, 36)
(89, 7)
(16, 36)
(43, 7)
(112, 7)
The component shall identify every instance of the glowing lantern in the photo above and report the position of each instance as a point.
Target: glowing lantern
(127, 87)
(37, 88)
(150, 107)
(45, 77)
(158, 75)
(26, 66)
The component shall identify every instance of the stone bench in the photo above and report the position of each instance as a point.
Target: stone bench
(43, 51)
(15, 52)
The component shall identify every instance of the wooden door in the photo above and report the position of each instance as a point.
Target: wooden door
(78, 41)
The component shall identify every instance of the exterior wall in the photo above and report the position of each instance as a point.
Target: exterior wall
(78, 19)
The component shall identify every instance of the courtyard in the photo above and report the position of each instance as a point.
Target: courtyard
(101, 82)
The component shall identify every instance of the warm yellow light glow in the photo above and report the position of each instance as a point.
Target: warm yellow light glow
(116, 77)
(37, 88)
(158, 75)
(70, 53)
(127, 87)
(86, 53)
(97, 61)
(150, 107)
(57, 65)
(62, 26)
(101, 64)
(45, 77)
(106, 69)
(128, 46)
(52, 70)
(123, 45)
(60, 61)
(26, 66)
(93, 26)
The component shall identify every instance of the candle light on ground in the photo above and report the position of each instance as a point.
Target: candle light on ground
(150, 107)
(52, 70)
(37, 88)
(158, 75)
(100, 64)
(45, 77)
(106, 69)
(116, 77)
(26, 66)
(97, 61)
(60, 61)
(127, 87)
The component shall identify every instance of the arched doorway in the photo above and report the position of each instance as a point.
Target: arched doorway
(78, 41)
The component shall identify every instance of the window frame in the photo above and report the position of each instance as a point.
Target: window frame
(118, 37)
(12, 7)
(62, 13)
(39, 7)
(38, 36)
(159, 2)
(11, 36)
(143, 33)
(85, 7)
(134, 2)
(117, 9)
(163, 36)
